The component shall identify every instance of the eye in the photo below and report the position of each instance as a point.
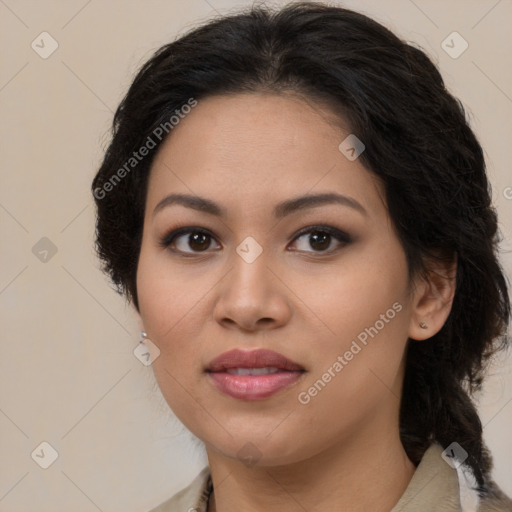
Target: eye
(194, 240)
(321, 238)
(183, 239)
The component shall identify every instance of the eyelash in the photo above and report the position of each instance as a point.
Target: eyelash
(339, 235)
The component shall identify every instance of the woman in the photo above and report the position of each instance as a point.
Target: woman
(300, 214)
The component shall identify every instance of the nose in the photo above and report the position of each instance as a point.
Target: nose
(252, 297)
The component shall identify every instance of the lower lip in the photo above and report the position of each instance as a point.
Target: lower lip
(253, 387)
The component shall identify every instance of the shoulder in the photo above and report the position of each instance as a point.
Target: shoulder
(193, 498)
(445, 485)
(495, 500)
(474, 498)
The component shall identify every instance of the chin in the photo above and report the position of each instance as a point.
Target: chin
(257, 448)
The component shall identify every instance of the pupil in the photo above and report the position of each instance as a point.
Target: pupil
(198, 241)
(319, 240)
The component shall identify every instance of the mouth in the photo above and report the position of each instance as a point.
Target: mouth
(253, 375)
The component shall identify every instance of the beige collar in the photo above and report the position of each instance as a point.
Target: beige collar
(434, 486)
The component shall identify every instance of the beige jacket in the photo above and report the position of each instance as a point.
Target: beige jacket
(434, 487)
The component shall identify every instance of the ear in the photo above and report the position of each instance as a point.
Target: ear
(433, 297)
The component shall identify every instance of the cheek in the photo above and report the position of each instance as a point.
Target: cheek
(167, 297)
(173, 307)
(368, 291)
(165, 310)
(364, 310)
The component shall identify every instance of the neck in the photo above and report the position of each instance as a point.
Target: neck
(366, 472)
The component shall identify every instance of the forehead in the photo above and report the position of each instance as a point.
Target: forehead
(258, 148)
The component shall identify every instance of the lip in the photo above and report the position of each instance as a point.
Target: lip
(253, 387)
(259, 358)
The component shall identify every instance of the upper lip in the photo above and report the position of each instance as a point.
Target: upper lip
(252, 359)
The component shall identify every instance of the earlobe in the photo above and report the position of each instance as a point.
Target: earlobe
(433, 299)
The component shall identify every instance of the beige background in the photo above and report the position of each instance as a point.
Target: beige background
(68, 373)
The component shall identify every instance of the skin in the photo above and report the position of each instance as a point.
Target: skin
(248, 152)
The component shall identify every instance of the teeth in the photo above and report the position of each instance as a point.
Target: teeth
(252, 371)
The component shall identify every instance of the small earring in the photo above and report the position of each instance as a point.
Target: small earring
(423, 325)
(143, 336)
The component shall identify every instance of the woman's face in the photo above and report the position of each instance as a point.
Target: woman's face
(323, 283)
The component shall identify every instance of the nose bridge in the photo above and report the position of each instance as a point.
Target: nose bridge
(251, 292)
(250, 277)
(250, 250)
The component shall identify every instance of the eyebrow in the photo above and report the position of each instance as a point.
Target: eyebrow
(281, 210)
